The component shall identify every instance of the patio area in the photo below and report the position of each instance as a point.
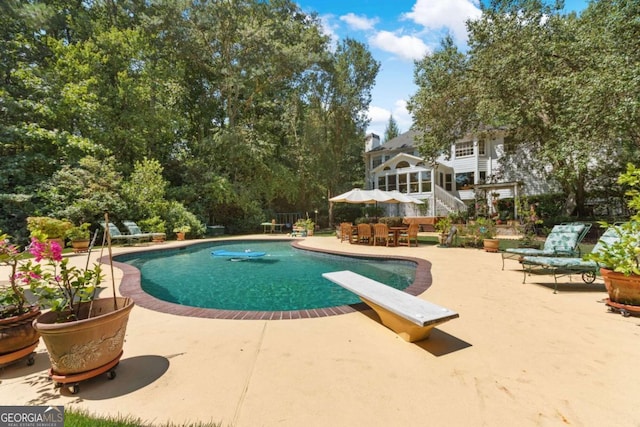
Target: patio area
(518, 355)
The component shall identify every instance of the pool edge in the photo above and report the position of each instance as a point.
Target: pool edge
(130, 286)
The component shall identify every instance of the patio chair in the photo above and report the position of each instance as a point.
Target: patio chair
(563, 240)
(346, 232)
(382, 234)
(566, 266)
(364, 234)
(404, 239)
(134, 230)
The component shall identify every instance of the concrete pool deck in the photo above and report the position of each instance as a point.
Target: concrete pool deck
(518, 355)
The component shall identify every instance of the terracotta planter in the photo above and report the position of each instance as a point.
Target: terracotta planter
(17, 332)
(80, 245)
(58, 240)
(180, 236)
(491, 245)
(622, 289)
(89, 343)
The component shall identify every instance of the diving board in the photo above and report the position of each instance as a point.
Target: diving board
(238, 254)
(410, 317)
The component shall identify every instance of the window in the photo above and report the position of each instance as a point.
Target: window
(402, 182)
(481, 148)
(402, 164)
(413, 182)
(464, 149)
(377, 161)
(509, 145)
(382, 183)
(391, 180)
(447, 182)
(464, 179)
(425, 180)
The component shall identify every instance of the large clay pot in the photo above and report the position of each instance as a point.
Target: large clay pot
(17, 332)
(80, 245)
(180, 235)
(491, 245)
(622, 289)
(89, 343)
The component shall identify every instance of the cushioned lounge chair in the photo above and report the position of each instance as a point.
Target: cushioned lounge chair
(134, 230)
(563, 240)
(566, 266)
(117, 236)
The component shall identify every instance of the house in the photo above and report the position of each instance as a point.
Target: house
(472, 174)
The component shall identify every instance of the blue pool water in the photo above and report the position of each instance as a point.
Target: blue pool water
(285, 279)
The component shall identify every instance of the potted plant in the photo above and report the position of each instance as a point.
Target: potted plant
(18, 338)
(82, 333)
(308, 225)
(51, 228)
(181, 231)
(156, 226)
(619, 260)
(484, 230)
(78, 237)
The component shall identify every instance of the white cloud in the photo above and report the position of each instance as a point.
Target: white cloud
(402, 115)
(449, 14)
(380, 118)
(328, 29)
(407, 47)
(359, 22)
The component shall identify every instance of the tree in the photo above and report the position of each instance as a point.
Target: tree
(145, 190)
(224, 101)
(83, 193)
(444, 107)
(337, 120)
(391, 130)
(538, 76)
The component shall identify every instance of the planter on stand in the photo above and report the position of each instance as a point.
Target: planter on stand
(624, 291)
(87, 347)
(18, 338)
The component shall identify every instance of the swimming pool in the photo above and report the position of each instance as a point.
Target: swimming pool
(285, 279)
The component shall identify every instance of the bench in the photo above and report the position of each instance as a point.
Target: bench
(410, 317)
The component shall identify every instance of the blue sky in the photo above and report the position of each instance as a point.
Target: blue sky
(397, 32)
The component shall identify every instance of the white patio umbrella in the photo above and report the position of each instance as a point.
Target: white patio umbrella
(358, 195)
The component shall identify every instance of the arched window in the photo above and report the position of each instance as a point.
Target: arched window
(402, 164)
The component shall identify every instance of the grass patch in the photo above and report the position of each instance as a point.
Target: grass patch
(81, 418)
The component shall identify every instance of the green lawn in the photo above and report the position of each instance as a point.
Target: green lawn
(76, 418)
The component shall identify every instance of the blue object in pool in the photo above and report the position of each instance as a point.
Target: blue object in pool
(238, 254)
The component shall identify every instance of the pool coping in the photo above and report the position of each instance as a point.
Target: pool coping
(130, 286)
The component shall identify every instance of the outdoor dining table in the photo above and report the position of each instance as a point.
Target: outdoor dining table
(396, 233)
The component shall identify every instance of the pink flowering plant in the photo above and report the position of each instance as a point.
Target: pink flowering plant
(57, 284)
(12, 298)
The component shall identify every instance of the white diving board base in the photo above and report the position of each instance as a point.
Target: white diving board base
(410, 317)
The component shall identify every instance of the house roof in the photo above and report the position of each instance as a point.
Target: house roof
(405, 140)
(402, 156)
